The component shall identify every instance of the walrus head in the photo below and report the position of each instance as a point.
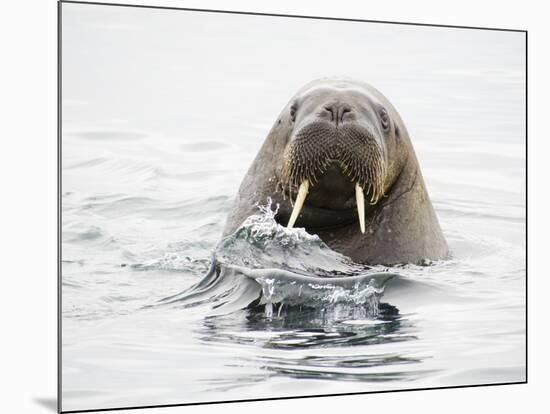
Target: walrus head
(339, 162)
(344, 150)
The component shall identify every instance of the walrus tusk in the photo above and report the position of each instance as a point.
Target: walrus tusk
(302, 193)
(360, 199)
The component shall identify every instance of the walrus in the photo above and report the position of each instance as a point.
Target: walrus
(339, 162)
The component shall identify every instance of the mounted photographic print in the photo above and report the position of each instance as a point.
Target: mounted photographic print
(261, 206)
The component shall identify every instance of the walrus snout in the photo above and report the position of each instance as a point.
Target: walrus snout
(333, 156)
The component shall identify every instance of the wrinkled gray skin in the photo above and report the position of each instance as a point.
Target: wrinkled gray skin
(401, 227)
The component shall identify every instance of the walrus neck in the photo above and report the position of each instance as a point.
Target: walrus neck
(404, 183)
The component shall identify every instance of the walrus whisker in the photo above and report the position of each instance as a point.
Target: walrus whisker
(373, 196)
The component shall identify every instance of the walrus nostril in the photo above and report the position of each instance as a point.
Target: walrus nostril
(331, 110)
(337, 112)
(343, 112)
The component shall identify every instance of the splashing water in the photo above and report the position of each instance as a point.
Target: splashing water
(363, 298)
(266, 264)
(267, 244)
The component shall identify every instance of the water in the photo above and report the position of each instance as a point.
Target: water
(163, 112)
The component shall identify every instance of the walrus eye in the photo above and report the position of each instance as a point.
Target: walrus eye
(293, 109)
(384, 119)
